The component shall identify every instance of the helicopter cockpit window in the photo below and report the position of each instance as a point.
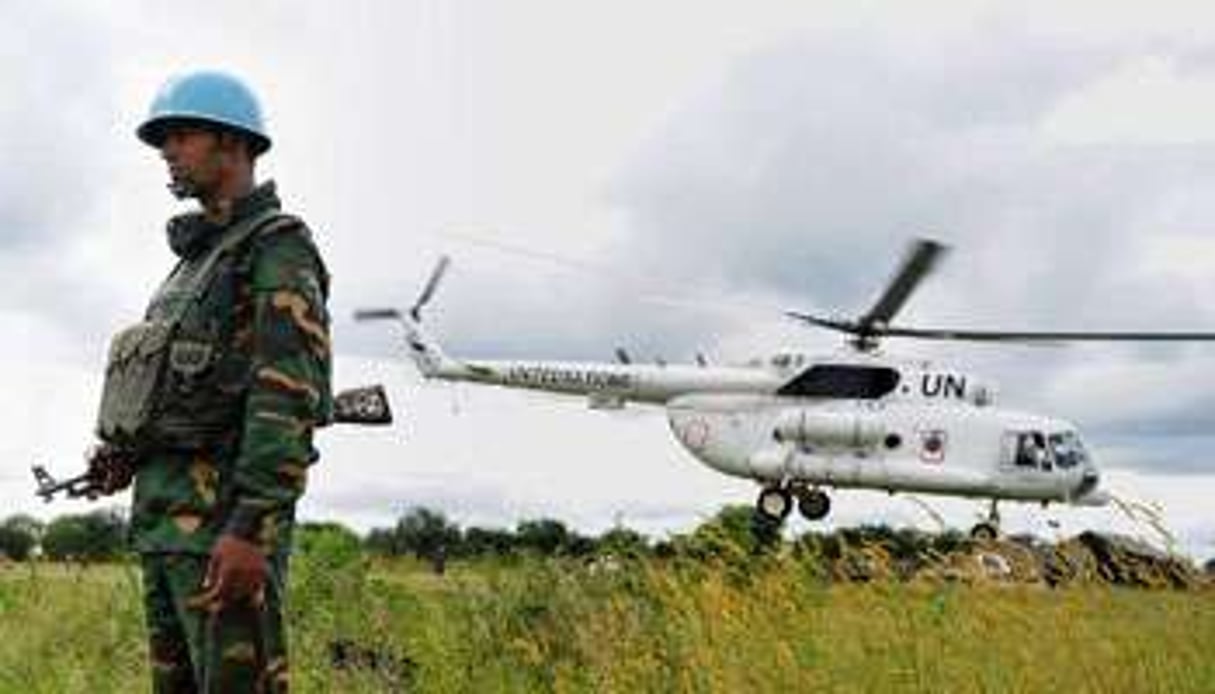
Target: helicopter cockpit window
(843, 381)
(1068, 450)
(1032, 452)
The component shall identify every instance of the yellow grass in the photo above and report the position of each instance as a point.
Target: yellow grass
(542, 625)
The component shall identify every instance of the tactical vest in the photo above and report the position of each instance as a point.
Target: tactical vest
(170, 381)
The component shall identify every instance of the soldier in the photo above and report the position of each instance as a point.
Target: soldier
(213, 398)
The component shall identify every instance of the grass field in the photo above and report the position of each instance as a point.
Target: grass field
(552, 625)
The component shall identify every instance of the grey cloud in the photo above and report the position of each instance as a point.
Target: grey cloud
(55, 122)
(815, 163)
(1157, 448)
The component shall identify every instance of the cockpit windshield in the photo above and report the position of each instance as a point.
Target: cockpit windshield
(1068, 450)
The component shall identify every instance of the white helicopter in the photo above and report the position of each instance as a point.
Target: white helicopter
(858, 419)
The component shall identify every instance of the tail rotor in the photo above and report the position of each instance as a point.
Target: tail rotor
(425, 352)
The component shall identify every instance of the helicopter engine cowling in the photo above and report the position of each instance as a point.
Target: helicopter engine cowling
(831, 429)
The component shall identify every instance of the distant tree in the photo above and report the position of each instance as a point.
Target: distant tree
(950, 541)
(667, 548)
(425, 533)
(623, 542)
(544, 536)
(751, 530)
(26, 524)
(479, 542)
(382, 541)
(18, 536)
(92, 536)
(735, 534)
(908, 544)
(1209, 567)
(579, 545)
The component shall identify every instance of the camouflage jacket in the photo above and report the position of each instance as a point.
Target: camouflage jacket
(267, 388)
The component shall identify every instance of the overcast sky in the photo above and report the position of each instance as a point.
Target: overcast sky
(701, 166)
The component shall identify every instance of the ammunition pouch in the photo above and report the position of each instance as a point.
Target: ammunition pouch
(133, 374)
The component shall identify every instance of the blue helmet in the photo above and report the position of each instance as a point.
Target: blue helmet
(209, 97)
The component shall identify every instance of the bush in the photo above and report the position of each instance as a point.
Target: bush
(623, 542)
(544, 536)
(311, 536)
(425, 533)
(479, 542)
(94, 536)
(18, 536)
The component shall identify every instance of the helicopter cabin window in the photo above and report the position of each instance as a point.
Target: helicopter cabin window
(843, 381)
(1032, 452)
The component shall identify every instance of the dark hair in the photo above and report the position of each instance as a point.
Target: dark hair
(158, 132)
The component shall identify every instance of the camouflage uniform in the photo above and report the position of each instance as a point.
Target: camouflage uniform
(239, 444)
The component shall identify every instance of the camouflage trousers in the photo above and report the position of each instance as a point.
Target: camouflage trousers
(238, 649)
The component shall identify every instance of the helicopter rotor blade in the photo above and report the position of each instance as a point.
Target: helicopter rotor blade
(428, 291)
(919, 261)
(366, 314)
(845, 326)
(1043, 336)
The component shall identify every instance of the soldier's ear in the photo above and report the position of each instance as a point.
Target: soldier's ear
(236, 143)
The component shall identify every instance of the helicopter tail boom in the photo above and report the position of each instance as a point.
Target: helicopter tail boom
(426, 353)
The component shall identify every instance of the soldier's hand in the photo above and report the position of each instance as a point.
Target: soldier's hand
(110, 469)
(236, 574)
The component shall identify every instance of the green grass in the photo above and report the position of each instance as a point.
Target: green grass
(544, 625)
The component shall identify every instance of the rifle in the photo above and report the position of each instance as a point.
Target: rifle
(81, 485)
(110, 469)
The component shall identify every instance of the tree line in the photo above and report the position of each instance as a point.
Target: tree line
(96, 536)
(426, 533)
(420, 532)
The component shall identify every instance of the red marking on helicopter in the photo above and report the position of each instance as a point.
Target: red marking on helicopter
(932, 445)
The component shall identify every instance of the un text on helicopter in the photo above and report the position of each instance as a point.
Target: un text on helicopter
(799, 425)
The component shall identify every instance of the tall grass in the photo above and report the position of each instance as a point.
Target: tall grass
(765, 624)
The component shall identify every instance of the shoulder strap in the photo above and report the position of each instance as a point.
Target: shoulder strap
(255, 225)
(232, 240)
(284, 223)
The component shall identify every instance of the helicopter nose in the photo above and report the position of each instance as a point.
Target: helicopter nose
(1087, 493)
(1088, 482)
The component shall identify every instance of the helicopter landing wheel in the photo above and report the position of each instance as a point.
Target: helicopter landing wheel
(774, 502)
(813, 504)
(988, 529)
(984, 532)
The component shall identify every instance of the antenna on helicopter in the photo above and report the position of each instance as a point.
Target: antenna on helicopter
(917, 264)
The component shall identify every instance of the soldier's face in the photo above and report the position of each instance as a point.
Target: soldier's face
(195, 160)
